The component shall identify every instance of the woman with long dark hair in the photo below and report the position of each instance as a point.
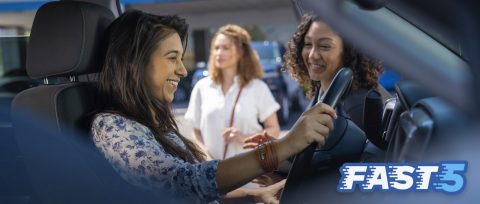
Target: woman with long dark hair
(137, 133)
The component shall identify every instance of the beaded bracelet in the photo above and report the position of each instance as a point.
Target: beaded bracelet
(267, 155)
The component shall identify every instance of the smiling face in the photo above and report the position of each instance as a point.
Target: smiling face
(166, 68)
(322, 52)
(226, 54)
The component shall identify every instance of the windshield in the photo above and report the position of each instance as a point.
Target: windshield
(434, 21)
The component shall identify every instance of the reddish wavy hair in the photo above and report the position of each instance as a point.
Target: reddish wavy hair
(248, 66)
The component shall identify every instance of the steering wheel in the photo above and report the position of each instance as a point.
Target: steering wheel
(338, 87)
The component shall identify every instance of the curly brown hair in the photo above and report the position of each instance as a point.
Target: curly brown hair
(249, 64)
(366, 70)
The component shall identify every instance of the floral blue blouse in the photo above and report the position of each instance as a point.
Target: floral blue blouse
(135, 154)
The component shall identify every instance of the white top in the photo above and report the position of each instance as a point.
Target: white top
(209, 110)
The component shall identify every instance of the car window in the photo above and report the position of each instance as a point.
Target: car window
(266, 52)
(434, 21)
(12, 55)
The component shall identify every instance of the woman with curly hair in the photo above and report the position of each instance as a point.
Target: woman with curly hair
(315, 54)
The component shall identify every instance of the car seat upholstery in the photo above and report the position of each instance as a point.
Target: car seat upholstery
(365, 106)
(66, 41)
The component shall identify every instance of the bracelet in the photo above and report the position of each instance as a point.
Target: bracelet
(267, 156)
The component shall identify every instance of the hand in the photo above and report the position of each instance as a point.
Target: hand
(231, 134)
(313, 125)
(255, 140)
(268, 179)
(270, 194)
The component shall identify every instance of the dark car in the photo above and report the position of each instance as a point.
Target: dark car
(284, 89)
(200, 72)
(388, 79)
(184, 88)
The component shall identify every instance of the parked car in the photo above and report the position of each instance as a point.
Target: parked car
(388, 79)
(200, 72)
(284, 89)
(182, 94)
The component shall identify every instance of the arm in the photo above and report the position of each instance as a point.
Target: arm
(266, 107)
(250, 141)
(271, 125)
(194, 112)
(133, 152)
(198, 136)
(141, 160)
(273, 131)
(240, 195)
(313, 126)
(269, 194)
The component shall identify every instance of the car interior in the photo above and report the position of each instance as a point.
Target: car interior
(13, 80)
(66, 44)
(422, 115)
(431, 116)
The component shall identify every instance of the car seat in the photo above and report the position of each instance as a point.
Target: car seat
(50, 120)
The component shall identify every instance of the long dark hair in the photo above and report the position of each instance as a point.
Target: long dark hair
(365, 69)
(123, 81)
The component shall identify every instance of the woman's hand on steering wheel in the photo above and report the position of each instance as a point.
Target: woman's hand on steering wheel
(313, 125)
(255, 140)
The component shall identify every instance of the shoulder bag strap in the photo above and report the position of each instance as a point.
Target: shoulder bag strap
(225, 149)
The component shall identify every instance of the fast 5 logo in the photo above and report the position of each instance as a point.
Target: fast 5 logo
(445, 177)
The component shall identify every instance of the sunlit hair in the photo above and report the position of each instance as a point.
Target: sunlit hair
(124, 82)
(366, 70)
(248, 66)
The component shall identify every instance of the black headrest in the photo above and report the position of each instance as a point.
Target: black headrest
(67, 39)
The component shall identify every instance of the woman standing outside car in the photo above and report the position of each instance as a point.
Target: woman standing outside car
(227, 106)
(137, 133)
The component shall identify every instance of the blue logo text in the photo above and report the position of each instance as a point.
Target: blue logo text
(445, 176)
